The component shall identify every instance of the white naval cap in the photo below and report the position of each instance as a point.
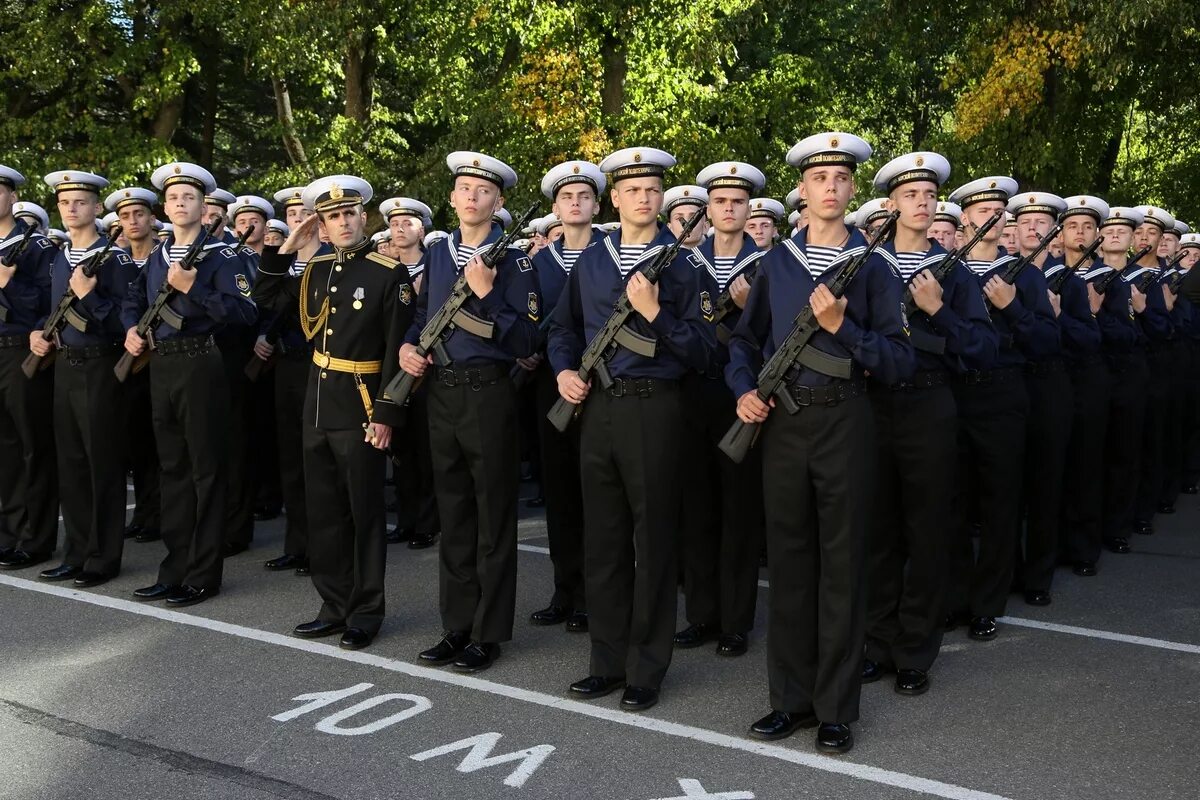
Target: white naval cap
(1086, 204)
(688, 194)
(10, 177)
(183, 172)
(502, 218)
(279, 226)
(870, 211)
(833, 148)
(544, 225)
(24, 208)
(948, 212)
(1009, 219)
(65, 180)
(479, 165)
(851, 219)
(912, 167)
(522, 244)
(569, 172)
(994, 188)
(434, 236)
(1189, 240)
(406, 207)
(130, 196)
(249, 202)
(637, 162)
(609, 227)
(767, 207)
(57, 236)
(1157, 216)
(291, 196)
(336, 191)
(220, 197)
(110, 221)
(157, 223)
(1122, 215)
(384, 235)
(1181, 227)
(1037, 203)
(732, 175)
(794, 218)
(795, 201)
(165, 229)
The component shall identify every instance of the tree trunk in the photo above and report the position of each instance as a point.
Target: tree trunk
(360, 76)
(291, 140)
(612, 91)
(167, 118)
(211, 78)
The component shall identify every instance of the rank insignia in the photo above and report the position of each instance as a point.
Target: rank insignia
(242, 283)
(706, 306)
(533, 305)
(406, 294)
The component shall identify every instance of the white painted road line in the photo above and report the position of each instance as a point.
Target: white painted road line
(1091, 633)
(830, 764)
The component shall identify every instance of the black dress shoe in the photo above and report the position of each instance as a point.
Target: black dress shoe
(285, 562)
(535, 502)
(1144, 527)
(550, 615)
(445, 651)
(158, 591)
(304, 569)
(873, 670)
(1084, 569)
(318, 628)
(397, 535)
(477, 657)
(1037, 598)
(695, 635)
(5, 552)
(148, 535)
(355, 639)
(264, 513)
(594, 686)
(19, 559)
(577, 622)
(1190, 488)
(638, 698)
(420, 541)
(229, 550)
(732, 644)
(63, 572)
(1166, 508)
(133, 531)
(912, 682)
(1117, 544)
(983, 629)
(834, 738)
(190, 596)
(780, 725)
(87, 579)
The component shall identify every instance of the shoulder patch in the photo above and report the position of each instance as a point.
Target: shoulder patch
(242, 283)
(44, 243)
(228, 252)
(380, 258)
(406, 293)
(532, 305)
(524, 264)
(706, 306)
(322, 257)
(123, 258)
(695, 260)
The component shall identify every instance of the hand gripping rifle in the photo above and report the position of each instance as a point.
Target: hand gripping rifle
(12, 257)
(1150, 277)
(922, 339)
(1102, 284)
(65, 312)
(1059, 280)
(452, 315)
(1014, 269)
(773, 376)
(159, 311)
(614, 333)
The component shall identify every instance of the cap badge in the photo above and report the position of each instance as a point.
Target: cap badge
(920, 161)
(335, 192)
(575, 169)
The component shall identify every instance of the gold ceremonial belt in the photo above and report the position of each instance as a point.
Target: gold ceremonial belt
(326, 361)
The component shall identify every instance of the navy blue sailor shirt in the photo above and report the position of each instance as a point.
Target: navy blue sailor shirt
(1155, 322)
(1119, 332)
(1078, 328)
(716, 281)
(1026, 327)
(26, 298)
(686, 341)
(100, 309)
(873, 333)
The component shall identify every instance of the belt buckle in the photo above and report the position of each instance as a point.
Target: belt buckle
(618, 388)
(448, 378)
(836, 396)
(644, 389)
(475, 376)
(803, 395)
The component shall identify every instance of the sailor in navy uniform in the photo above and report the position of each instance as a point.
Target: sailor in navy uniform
(916, 430)
(1160, 332)
(993, 408)
(947, 219)
(88, 400)
(1189, 244)
(472, 414)
(216, 209)
(1091, 388)
(1178, 411)
(631, 432)
(766, 215)
(28, 481)
(187, 385)
(355, 305)
(679, 204)
(819, 464)
(575, 189)
(721, 516)
(33, 214)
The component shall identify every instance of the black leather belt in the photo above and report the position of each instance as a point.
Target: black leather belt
(924, 379)
(14, 341)
(77, 354)
(828, 395)
(977, 377)
(475, 377)
(183, 345)
(639, 387)
(1040, 369)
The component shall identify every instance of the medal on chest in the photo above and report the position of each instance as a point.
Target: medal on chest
(359, 294)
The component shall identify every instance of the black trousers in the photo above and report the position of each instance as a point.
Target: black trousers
(1153, 463)
(291, 382)
(563, 491)
(991, 452)
(1191, 453)
(911, 524)
(416, 497)
(1047, 432)
(1123, 443)
(90, 443)
(347, 547)
(191, 420)
(236, 350)
(1177, 423)
(141, 454)
(721, 516)
(1083, 482)
(28, 477)
(473, 436)
(818, 475)
(630, 475)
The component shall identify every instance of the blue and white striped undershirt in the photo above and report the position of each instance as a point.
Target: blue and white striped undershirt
(463, 254)
(820, 257)
(908, 263)
(74, 256)
(569, 257)
(980, 268)
(630, 253)
(723, 267)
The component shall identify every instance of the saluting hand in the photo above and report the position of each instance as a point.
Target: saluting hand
(480, 277)
(739, 291)
(643, 296)
(829, 310)
(571, 387)
(413, 362)
(751, 408)
(1000, 294)
(301, 235)
(926, 292)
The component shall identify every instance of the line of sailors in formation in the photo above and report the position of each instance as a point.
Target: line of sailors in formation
(962, 440)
